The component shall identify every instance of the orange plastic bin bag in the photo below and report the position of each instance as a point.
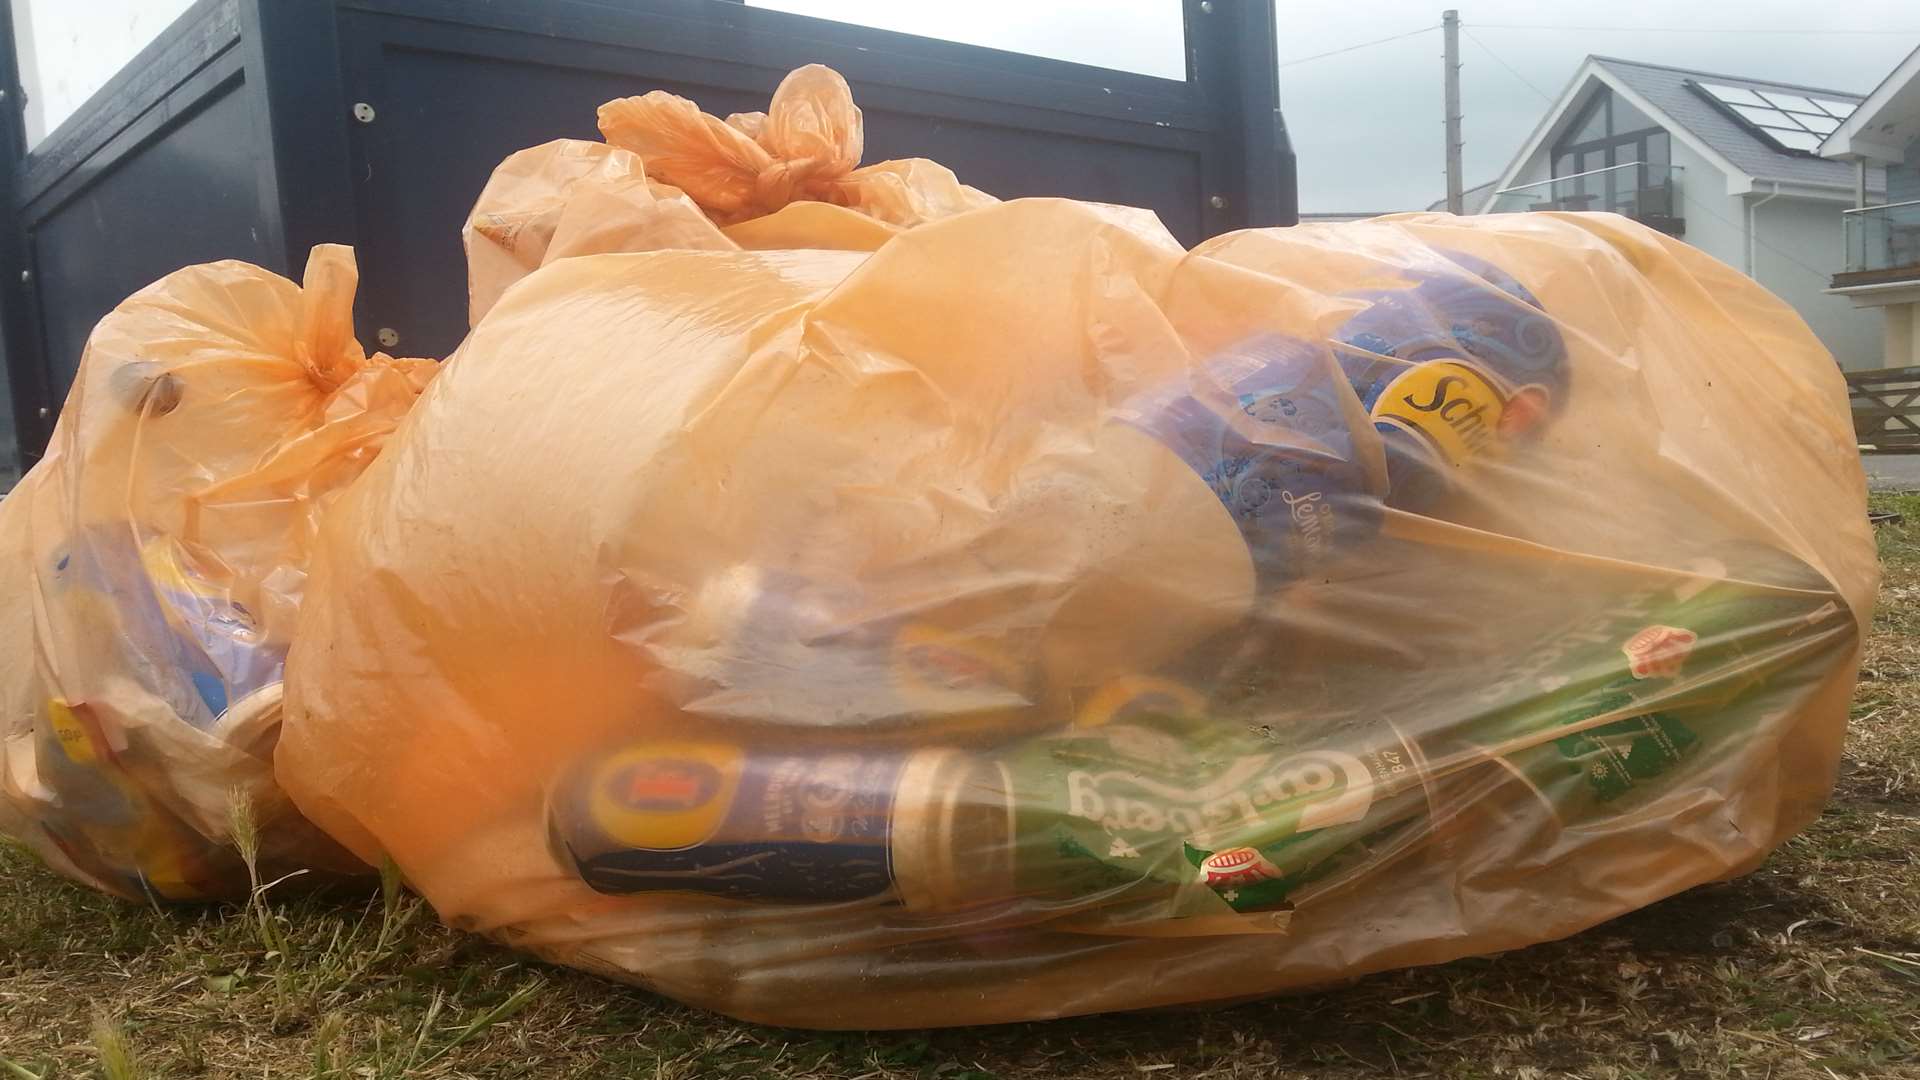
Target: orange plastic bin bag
(161, 548)
(1031, 618)
(769, 181)
(805, 148)
(572, 197)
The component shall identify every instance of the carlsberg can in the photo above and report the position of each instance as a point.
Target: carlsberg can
(1628, 694)
(1162, 821)
(1159, 820)
(1166, 819)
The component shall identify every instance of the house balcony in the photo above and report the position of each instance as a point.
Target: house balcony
(1883, 248)
(1649, 194)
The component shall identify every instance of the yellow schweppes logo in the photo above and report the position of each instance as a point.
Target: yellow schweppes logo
(665, 796)
(1451, 405)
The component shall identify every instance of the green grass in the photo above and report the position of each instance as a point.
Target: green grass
(1809, 967)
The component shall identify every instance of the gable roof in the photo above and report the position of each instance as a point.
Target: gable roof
(1662, 93)
(1667, 90)
(1886, 121)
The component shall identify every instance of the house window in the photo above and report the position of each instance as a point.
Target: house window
(1606, 134)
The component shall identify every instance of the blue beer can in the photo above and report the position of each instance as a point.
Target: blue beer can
(718, 818)
(1265, 425)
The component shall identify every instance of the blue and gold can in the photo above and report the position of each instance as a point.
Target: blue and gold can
(820, 826)
(713, 817)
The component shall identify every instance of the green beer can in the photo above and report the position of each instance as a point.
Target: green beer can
(1176, 821)
(1163, 825)
(1628, 694)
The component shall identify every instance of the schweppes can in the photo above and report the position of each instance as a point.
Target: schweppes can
(1266, 425)
(1456, 408)
(1437, 417)
(1456, 367)
(930, 829)
(1464, 307)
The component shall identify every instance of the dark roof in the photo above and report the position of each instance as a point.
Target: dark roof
(1666, 89)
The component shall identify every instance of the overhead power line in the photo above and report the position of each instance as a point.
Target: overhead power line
(1544, 96)
(1362, 45)
(1685, 29)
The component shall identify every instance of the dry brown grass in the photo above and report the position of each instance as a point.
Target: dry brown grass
(1808, 968)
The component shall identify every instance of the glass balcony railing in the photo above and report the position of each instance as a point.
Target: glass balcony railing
(1883, 240)
(1646, 193)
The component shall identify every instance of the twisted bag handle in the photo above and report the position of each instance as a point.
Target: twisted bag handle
(750, 164)
(325, 345)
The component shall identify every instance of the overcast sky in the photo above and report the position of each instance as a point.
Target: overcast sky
(1365, 123)
(70, 48)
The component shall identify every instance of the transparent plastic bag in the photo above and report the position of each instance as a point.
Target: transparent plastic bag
(1032, 618)
(157, 557)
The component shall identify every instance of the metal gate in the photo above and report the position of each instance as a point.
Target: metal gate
(237, 134)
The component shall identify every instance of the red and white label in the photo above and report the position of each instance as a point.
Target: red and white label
(1236, 866)
(1657, 652)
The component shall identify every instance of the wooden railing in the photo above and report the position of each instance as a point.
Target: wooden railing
(1886, 409)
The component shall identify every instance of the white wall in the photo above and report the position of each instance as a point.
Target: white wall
(1796, 257)
(70, 48)
(1902, 348)
(1715, 220)
(1537, 168)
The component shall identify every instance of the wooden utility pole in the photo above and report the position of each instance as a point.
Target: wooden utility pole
(1450, 29)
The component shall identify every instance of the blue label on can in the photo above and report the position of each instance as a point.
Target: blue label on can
(714, 818)
(1263, 424)
(182, 635)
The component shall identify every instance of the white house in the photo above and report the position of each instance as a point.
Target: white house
(1727, 164)
(1882, 240)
